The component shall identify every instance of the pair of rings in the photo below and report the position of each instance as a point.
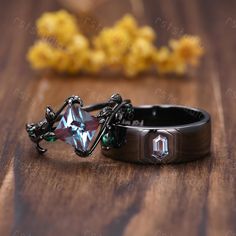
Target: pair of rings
(146, 134)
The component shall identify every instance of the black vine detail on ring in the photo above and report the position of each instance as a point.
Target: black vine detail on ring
(74, 124)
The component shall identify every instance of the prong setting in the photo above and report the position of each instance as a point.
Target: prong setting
(112, 112)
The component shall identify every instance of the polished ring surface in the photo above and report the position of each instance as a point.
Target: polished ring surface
(161, 134)
(74, 124)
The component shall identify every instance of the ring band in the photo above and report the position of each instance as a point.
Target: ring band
(160, 134)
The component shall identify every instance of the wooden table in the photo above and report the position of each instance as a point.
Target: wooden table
(61, 194)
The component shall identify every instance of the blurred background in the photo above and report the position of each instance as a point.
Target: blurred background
(61, 194)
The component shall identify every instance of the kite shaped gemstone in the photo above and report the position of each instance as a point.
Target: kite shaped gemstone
(160, 147)
(77, 127)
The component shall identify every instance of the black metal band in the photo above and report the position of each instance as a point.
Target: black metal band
(161, 134)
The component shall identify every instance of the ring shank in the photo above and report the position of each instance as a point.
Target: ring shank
(185, 131)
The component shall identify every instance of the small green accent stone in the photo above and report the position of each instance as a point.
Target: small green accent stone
(107, 140)
(51, 139)
(31, 131)
(129, 109)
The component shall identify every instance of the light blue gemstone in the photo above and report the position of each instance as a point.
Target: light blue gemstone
(160, 147)
(77, 127)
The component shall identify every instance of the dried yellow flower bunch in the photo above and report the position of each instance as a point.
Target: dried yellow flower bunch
(125, 46)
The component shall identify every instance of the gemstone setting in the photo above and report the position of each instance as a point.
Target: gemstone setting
(160, 147)
(77, 127)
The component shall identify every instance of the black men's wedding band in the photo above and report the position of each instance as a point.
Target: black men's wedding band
(160, 134)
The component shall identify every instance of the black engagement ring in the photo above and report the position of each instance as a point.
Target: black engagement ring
(74, 124)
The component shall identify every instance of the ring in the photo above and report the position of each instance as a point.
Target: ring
(160, 134)
(74, 124)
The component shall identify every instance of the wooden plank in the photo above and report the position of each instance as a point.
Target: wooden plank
(61, 194)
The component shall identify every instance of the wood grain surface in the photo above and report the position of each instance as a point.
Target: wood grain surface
(61, 194)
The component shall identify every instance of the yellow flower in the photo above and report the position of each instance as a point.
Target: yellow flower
(114, 40)
(41, 55)
(78, 43)
(78, 50)
(60, 25)
(75, 54)
(139, 57)
(147, 33)
(62, 61)
(66, 63)
(128, 23)
(96, 61)
(162, 60)
(123, 46)
(142, 48)
(115, 43)
(178, 66)
(130, 66)
(188, 49)
(166, 62)
(134, 65)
